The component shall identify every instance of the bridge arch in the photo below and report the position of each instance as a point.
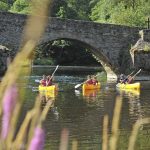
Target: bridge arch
(107, 41)
(99, 56)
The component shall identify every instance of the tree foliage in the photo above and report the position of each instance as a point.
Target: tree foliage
(71, 9)
(4, 6)
(21, 6)
(124, 12)
(65, 52)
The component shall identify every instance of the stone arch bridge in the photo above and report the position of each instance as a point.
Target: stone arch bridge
(109, 43)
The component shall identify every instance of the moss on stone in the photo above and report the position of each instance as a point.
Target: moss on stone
(147, 48)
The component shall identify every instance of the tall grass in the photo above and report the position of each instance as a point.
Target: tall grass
(30, 134)
(113, 139)
(109, 141)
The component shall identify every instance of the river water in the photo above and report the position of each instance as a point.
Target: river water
(81, 115)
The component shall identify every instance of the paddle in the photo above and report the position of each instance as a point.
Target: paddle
(127, 77)
(38, 81)
(130, 73)
(132, 76)
(53, 73)
(137, 73)
(78, 85)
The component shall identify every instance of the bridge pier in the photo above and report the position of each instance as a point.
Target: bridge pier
(140, 53)
(111, 77)
(111, 74)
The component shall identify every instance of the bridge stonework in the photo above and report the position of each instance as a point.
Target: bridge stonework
(109, 43)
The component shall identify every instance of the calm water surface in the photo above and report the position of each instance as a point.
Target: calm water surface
(82, 114)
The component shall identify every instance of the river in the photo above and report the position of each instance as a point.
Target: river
(82, 115)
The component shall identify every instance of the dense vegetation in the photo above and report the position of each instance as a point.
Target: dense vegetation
(124, 12)
(65, 53)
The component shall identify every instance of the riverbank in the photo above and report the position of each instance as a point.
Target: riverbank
(71, 68)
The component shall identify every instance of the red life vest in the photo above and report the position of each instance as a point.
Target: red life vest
(43, 82)
(89, 81)
(94, 82)
(49, 82)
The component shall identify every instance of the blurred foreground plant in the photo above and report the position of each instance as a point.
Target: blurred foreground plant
(30, 134)
(110, 142)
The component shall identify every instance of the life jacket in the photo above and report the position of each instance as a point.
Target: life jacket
(94, 82)
(49, 82)
(43, 82)
(89, 81)
(130, 80)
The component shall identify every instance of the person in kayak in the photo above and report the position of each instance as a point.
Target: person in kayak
(94, 80)
(43, 81)
(129, 80)
(89, 80)
(49, 81)
(122, 78)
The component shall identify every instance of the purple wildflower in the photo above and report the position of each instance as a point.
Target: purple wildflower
(37, 142)
(8, 105)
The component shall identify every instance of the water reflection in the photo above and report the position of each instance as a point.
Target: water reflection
(90, 93)
(89, 96)
(135, 110)
(46, 96)
(82, 112)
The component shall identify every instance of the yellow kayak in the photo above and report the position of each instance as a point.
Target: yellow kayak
(48, 94)
(134, 86)
(48, 91)
(48, 88)
(86, 86)
(90, 93)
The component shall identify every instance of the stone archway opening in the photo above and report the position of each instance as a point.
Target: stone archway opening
(72, 52)
(66, 52)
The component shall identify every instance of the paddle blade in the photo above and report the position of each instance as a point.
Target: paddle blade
(55, 71)
(77, 86)
(38, 81)
(137, 72)
(57, 67)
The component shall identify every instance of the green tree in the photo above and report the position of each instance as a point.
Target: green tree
(129, 16)
(131, 13)
(101, 12)
(21, 6)
(4, 6)
(72, 9)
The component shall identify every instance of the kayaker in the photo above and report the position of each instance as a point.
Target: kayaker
(49, 81)
(43, 81)
(129, 80)
(122, 78)
(89, 80)
(94, 80)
